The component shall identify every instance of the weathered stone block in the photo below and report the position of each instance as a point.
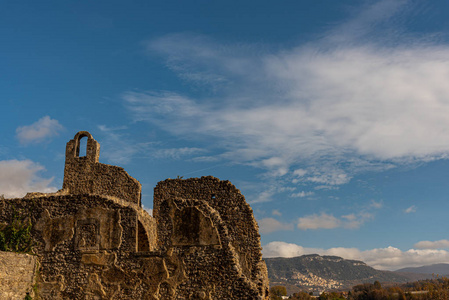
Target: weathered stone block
(17, 274)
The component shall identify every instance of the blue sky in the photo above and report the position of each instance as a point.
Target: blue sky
(331, 117)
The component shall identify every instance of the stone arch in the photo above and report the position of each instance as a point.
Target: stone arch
(92, 148)
(143, 243)
(80, 135)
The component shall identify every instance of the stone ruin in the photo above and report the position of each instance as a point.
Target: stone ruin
(93, 240)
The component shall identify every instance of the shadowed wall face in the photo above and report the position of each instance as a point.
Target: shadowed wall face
(193, 228)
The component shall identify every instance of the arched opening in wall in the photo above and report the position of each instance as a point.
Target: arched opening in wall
(81, 149)
(142, 238)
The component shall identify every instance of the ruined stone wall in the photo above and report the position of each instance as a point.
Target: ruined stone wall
(88, 248)
(93, 240)
(86, 245)
(85, 175)
(17, 273)
(223, 197)
(213, 218)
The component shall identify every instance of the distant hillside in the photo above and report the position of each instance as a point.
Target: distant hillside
(317, 273)
(440, 269)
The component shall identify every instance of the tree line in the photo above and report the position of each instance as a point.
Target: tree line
(430, 289)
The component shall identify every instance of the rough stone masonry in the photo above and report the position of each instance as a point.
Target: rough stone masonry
(93, 240)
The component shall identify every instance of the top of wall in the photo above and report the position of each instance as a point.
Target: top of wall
(86, 175)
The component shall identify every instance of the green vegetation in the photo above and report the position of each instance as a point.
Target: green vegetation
(277, 291)
(302, 296)
(437, 288)
(16, 236)
(431, 289)
(331, 296)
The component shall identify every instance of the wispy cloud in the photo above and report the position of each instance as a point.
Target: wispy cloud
(376, 204)
(18, 177)
(329, 221)
(331, 178)
(117, 148)
(301, 194)
(379, 20)
(273, 187)
(410, 209)
(322, 221)
(389, 258)
(264, 196)
(331, 108)
(38, 132)
(325, 221)
(177, 153)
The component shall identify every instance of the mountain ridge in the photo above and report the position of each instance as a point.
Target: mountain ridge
(440, 269)
(317, 273)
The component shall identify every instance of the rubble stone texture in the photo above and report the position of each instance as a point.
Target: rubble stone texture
(16, 275)
(93, 240)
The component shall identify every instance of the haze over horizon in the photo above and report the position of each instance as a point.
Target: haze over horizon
(331, 117)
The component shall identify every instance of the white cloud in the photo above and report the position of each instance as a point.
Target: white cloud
(286, 188)
(282, 249)
(377, 101)
(17, 177)
(300, 172)
(389, 258)
(276, 165)
(411, 209)
(441, 244)
(330, 179)
(347, 102)
(301, 194)
(325, 221)
(43, 129)
(268, 225)
(394, 258)
(324, 176)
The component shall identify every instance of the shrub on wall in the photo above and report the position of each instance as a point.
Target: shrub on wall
(16, 236)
